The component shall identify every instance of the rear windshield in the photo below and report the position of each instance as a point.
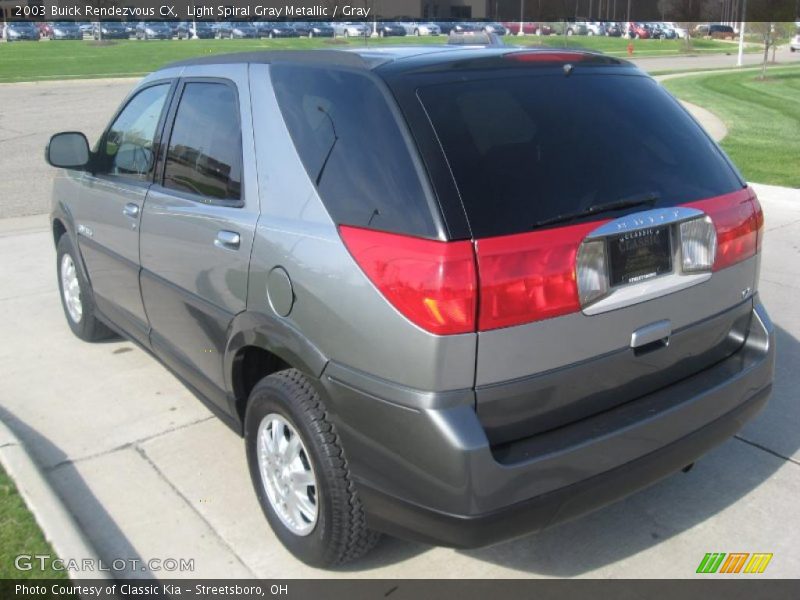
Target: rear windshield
(524, 149)
(353, 148)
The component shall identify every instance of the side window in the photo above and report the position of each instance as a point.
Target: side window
(205, 148)
(353, 149)
(128, 146)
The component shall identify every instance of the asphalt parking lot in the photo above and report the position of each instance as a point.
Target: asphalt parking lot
(149, 473)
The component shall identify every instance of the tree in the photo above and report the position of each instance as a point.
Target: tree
(764, 15)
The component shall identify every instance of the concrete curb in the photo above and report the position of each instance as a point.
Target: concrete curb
(55, 521)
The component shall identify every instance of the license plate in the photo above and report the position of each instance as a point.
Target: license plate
(639, 255)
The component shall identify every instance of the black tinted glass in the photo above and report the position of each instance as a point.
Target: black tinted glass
(524, 149)
(205, 148)
(347, 137)
(128, 148)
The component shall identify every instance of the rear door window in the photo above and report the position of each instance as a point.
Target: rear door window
(205, 149)
(524, 149)
(353, 149)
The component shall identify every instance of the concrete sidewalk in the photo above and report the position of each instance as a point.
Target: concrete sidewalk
(149, 473)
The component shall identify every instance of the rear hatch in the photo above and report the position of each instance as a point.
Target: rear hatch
(615, 243)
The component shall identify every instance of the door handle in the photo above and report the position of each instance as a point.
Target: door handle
(228, 240)
(131, 210)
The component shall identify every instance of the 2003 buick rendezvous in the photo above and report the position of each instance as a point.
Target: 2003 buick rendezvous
(452, 294)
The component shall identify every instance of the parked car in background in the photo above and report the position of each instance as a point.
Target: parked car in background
(45, 29)
(613, 29)
(311, 29)
(319, 29)
(419, 29)
(389, 29)
(721, 32)
(794, 45)
(351, 29)
(595, 28)
(18, 31)
(680, 32)
(110, 30)
(448, 27)
(65, 30)
(569, 27)
(274, 29)
(153, 30)
(701, 29)
(86, 27)
(637, 31)
(528, 28)
(221, 29)
(425, 351)
(200, 30)
(240, 30)
(130, 27)
(495, 28)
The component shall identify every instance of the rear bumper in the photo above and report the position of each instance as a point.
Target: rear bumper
(425, 470)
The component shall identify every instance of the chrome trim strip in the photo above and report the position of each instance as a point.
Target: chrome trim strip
(649, 218)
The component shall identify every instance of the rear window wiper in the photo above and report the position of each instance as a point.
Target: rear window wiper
(649, 198)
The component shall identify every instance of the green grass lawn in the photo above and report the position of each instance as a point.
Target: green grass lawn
(19, 534)
(29, 61)
(763, 119)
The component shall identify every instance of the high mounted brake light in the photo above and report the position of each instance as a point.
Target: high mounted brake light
(545, 57)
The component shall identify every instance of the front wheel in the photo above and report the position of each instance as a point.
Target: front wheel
(300, 473)
(76, 295)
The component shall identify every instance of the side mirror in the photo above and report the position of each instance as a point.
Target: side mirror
(68, 150)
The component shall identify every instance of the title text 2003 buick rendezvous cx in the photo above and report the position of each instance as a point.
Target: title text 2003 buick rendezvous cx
(453, 294)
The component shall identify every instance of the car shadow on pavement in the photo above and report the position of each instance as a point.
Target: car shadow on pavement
(673, 505)
(107, 539)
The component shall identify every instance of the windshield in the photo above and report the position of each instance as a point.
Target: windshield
(525, 149)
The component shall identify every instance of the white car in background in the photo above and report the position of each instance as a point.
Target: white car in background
(414, 28)
(794, 45)
(680, 32)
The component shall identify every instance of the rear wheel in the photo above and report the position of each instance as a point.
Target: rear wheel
(300, 473)
(76, 295)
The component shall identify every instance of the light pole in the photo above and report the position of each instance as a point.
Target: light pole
(521, 17)
(740, 58)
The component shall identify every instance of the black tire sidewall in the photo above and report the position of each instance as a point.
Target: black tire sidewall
(314, 548)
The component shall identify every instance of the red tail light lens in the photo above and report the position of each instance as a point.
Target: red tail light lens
(433, 284)
(737, 218)
(529, 276)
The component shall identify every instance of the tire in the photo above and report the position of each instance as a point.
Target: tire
(87, 327)
(570, 32)
(339, 534)
(590, 33)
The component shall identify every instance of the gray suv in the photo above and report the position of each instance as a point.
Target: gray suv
(451, 294)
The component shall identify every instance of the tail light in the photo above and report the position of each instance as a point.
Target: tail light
(431, 283)
(532, 276)
(737, 218)
(529, 276)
